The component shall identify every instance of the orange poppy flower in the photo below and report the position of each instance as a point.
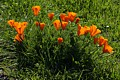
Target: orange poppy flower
(36, 10)
(57, 24)
(17, 24)
(87, 29)
(71, 16)
(37, 23)
(60, 40)
(64, 24)
(23, 26)
(62, 16)
(82, 30)
(50, 15)
(77, 20)
(79, 27)
(19, 27)
(96, 40)
(102, 40)
(107, 48)
(19, 38)
(94, 31)
(42, 25)
(11, 23)
(66, 18)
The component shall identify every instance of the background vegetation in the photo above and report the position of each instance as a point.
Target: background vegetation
(40, 58)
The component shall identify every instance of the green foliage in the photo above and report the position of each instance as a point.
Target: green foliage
(40, 56)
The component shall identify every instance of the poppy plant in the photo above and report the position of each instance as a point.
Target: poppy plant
(60, 40)
(64, 24)
(107, 48)
(11, 23)
(57, 24)
(94, 31)
(71, 16)
(36, 10)
(50, 15)
(42, 25)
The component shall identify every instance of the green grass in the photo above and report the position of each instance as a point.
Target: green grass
(40, 57)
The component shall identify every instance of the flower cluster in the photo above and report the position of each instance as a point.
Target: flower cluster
(19, 27)
(93, 32)
(102, 41)
(62, 22)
